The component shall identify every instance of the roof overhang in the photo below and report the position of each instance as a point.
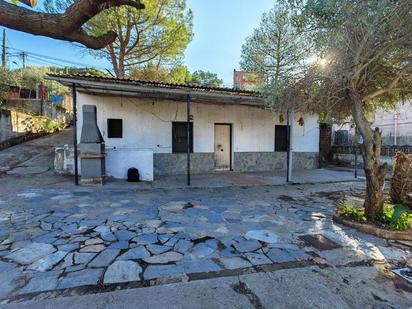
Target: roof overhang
(102, 87)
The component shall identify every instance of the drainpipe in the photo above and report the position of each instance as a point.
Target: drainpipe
(188, 137)
(76, 171)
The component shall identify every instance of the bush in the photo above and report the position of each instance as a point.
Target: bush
(395, 217)
(346, 210)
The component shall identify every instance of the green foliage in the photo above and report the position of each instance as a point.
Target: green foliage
(395, 217)
(346, 210)
(30, 77)
(160, 32)
(178, 74)
(150, 72)
(276, 51)
(92, 72)
(36, 124)
(204, 79)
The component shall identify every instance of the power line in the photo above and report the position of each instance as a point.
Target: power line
(53, 58)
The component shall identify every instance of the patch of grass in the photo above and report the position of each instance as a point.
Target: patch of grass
(346, 210)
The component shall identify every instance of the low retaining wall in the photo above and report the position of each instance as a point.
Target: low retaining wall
(349, 159)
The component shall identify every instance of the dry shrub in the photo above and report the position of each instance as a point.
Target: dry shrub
(401, 184)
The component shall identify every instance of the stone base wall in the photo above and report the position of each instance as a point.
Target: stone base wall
(176, 163)
(269, 161)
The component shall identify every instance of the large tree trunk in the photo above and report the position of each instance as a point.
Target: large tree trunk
(371, 152)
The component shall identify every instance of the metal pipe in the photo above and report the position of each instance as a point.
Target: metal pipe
(395, 136)
(356, 161)
(288, 167)
(76, 171)
(188, 137)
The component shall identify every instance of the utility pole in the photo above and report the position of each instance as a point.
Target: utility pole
(23, 58)
(3, 54)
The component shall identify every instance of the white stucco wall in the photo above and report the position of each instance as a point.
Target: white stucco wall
(147, 124)
(147, 129)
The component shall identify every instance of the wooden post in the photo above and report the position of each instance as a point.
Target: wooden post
(188, 138)
(76, 171)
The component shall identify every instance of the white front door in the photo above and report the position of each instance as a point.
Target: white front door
(222, 146)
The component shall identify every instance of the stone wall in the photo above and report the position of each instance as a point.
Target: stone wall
(269, 161)
(176, 163)
(6, 126)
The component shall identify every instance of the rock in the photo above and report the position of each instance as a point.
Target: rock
(42, 282)
(278, 255)
(200, 266)
(247, 245)
(83, 258)
(257, 258)
(105, 258)
(202, 250)
(46, 226)
(119, 245)
(173, 206)
(108, 237)
(183, 246)
(31, 253)
(262, 235)
(135, 254)
(158, 249)
(170, 228)
(122, 271)
(234, 262)
(81, 278)
(6, 266)
(163, 271)
(124, 235)
(48, 261)
(164, 237)
(145, 239)
(93, 248)
(153, 223)
(69, 247)
(164, 258)
(11, 280)
(93, 241)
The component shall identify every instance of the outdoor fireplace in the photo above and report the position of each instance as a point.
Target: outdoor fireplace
(92, 149)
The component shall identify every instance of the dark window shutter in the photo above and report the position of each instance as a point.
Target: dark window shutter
(281, 138)
(179, 137)
(115, 128)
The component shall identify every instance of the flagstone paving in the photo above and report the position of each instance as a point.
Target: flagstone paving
(52, 239)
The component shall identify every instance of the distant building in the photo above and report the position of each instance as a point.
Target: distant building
(396, 127)
(243, 80)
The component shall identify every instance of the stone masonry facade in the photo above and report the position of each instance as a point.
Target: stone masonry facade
(176, 164)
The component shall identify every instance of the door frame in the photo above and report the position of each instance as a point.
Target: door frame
(230, 141)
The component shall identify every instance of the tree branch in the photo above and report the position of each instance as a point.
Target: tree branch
(66, 26)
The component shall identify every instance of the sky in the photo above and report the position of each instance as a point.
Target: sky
(220, 28)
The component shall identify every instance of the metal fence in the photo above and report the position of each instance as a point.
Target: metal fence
(389, 151)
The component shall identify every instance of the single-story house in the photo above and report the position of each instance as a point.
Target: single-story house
(144, 125)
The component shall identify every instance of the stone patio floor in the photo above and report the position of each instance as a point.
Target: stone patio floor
(82, 240)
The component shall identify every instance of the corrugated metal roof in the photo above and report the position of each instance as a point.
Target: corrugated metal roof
(81, 77)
